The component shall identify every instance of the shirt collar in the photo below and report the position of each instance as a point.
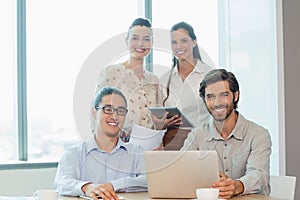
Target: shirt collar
(237, 132)
(92, 145)
(200, 68)
(131, 71)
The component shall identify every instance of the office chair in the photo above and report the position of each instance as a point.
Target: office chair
(283, 187)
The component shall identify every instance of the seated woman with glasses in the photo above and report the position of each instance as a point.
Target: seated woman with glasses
(104, 164)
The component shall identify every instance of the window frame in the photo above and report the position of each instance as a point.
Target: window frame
(21, 81)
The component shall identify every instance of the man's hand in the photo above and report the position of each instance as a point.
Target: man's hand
(105, 191)
(228, 187)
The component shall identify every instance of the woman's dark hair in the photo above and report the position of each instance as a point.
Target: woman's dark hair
(139, 22)
(107, 91)
(217, 75)
(196, 52)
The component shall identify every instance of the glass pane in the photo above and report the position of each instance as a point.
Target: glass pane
(8, 117)
(204, 20)
(60, 36)
(253, 52)
(250, 49)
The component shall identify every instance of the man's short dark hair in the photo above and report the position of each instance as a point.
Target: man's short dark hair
(107, 91)
(217, 75)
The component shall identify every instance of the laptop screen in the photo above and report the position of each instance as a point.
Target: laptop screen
(177, 174)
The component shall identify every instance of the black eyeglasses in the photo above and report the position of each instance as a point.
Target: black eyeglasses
(109, 109)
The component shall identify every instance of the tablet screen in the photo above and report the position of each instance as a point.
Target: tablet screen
(160, 111)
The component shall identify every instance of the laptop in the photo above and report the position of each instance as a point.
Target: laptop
(177, 174)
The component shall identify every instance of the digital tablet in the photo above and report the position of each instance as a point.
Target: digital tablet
(160, 111)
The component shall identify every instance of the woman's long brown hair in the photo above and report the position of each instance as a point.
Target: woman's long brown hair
(196, 52)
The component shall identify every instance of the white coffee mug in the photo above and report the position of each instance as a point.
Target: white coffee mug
(207, 193)
(45, 194)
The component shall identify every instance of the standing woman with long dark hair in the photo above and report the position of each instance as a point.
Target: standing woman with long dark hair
(181, 83)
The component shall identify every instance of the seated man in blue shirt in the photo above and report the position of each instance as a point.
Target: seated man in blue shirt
(243, 147)
(104, 164)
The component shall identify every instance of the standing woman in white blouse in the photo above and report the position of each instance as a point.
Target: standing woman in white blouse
(181, 83)
(138, 85)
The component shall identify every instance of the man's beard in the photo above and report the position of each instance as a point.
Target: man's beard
(231, 108)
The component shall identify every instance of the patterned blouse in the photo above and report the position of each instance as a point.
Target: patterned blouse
(140, 94)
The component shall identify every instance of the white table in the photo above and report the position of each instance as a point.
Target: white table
(144, 196)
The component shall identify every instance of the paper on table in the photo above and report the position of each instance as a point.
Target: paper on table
(147, 138)
(90, 198)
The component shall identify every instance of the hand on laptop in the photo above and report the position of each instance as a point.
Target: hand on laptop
(228, 187)
(105, 191)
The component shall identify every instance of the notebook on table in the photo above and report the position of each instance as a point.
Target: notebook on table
(177, 174)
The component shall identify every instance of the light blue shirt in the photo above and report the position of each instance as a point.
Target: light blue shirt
(85, 163)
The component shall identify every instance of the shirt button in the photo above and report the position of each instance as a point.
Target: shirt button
(225, 157)
(226, 170)
(225, 145)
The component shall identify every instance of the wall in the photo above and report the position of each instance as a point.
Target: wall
(24, 182)
(291, 40)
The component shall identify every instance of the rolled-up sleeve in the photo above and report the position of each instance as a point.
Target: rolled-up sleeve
(130, 184)
(256, 178)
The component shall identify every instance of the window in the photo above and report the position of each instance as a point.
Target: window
(8, 75)
(204, 20)
(253, 58)
(62, 35)
(237, 35)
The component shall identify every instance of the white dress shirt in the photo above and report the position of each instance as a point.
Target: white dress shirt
(185, 94)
